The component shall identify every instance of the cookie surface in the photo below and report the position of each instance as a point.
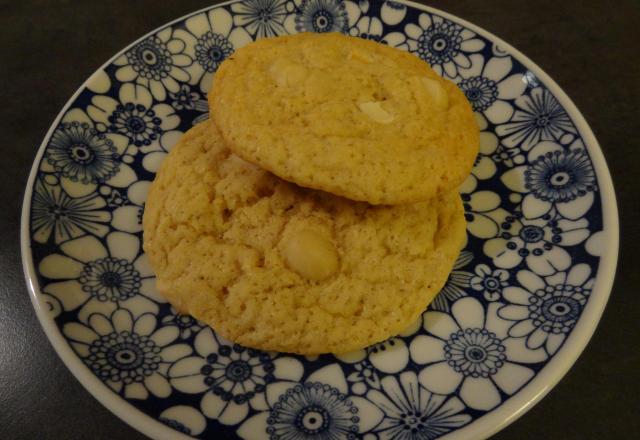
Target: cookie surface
(345, 115)
(274, 266)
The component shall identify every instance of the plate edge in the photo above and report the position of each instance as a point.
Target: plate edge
(545, 381)
(524, 399)
(118, 406)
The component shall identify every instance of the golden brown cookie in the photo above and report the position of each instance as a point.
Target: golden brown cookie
(274, 266)
(345, 115)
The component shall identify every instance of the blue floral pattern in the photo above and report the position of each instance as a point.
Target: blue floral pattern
(445, 45)
(130, 355)
(157, 63)
(539, 117)
(547, 309)
(209, 39)
(321, 16)
(412, 412)
(262, 18)
(457, 284)
(516, 293)
(54, 212)
(82, 154)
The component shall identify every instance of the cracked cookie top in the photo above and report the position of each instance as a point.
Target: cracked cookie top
(271, 265)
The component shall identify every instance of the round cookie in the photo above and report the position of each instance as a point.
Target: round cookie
(274, 266)
(345, 115)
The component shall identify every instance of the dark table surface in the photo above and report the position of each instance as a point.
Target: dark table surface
(48, 48)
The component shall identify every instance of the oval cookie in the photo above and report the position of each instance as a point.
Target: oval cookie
(345, 115)
(274, 266)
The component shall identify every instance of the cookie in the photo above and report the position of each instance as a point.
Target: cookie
(275, 266)
(345, 115)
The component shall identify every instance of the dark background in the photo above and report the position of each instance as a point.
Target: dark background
(48, 48)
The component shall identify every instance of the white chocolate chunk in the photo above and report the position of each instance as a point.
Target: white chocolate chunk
(310, 255)
(437, 92)
(361, 56)
(286, 73)
(375, 112)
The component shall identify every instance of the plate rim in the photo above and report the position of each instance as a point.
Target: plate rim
(490, 423)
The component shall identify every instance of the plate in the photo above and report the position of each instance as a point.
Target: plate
(520, 305)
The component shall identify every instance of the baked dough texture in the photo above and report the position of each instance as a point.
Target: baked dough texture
(275, 266)
(347, 116)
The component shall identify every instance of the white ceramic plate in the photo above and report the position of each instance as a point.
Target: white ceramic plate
(521, 304)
